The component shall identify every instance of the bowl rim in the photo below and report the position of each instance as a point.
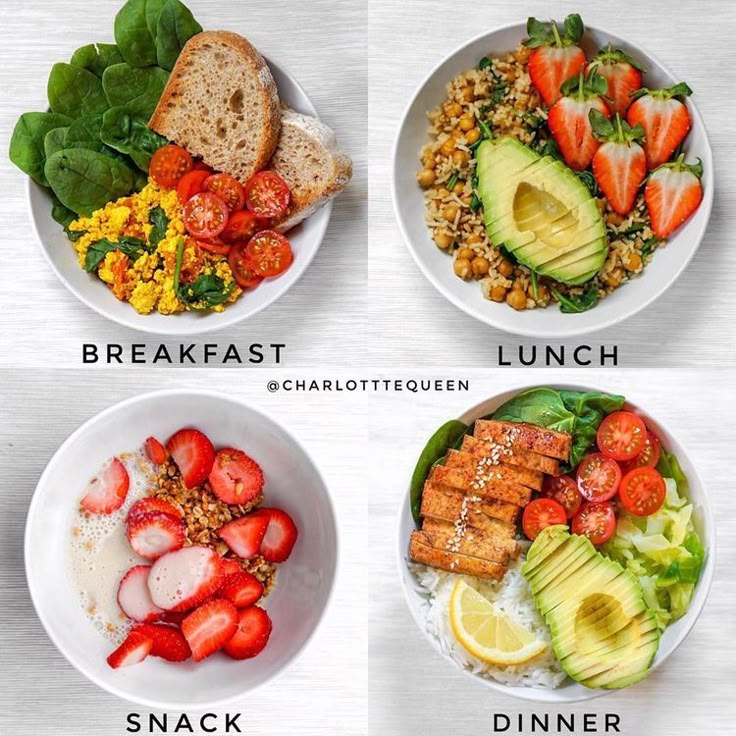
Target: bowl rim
(528, 694)
(28, 549)
(487, 318)
(198, 327)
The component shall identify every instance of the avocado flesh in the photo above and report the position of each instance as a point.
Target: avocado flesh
(537, 574)
(569, 565)
(555, 537)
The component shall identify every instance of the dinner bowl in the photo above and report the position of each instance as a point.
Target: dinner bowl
(409, 204)
(303, 583)
(674, 634)
(305, 240)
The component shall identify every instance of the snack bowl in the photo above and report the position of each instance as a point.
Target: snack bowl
(674, 634)
(303, 583)
(305, 240)
(409, 204)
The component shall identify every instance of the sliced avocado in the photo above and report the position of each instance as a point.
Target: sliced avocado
(571, 564)
(556, 536)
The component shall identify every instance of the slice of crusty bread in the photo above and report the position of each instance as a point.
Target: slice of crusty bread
(308, 159)
(221, 104)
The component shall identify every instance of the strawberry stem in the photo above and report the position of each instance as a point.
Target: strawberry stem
(556, 33)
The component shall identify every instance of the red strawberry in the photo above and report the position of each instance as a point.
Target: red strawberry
(181, 580)
(134, 598)
(622, 73)
(251, 636)
(235, 478)
(168, 642)
(193, 454)
(230, 566)
(107, 490)
(556, 57)
(210, 627)
(280, 536)
(136, 647)
(568, 118)
(619, 165)
(155, 451)
(154, 534)
(174, 617)
(665, 119)
(151, 504)
(672, 194)
(241, 589)
(244, 535)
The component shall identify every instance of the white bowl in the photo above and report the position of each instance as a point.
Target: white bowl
(667, 264)
(672, 637)
(304, 581)
(305, 241)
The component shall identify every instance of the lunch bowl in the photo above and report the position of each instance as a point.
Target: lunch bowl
(303, 585)
(305, 240)
(410, 209)
(674, 634)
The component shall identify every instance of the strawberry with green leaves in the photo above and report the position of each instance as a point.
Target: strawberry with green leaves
(619, 165)
(556, 56)
(622, 73)
(672, 194)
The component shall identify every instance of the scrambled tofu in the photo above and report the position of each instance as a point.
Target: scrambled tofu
(147, 281)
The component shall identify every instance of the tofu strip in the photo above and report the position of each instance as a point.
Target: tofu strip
(421, 551)
(515, 456)
(486, 486)
(525, 437)
(482, 465)
(468, 540)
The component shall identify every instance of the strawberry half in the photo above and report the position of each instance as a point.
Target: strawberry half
(210, 627)
(241, 588)
(280, 536)
(235, 478)
(136, 647)
(251, 635)
(168, 642)
(244, 535)
(672, 194)
(230, 566)
(556, 56)
(154, 534)
(134, 598)
(155, 451)
(619, 165)
(665, 119)
(193, 454)
(151, 504)
(622, 73)
(106, 492)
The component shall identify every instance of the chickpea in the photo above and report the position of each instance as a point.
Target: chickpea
(459, 188)
(480, 266)
(473, 238)
(632, 261)
(456, 134)
(442, 239)
(542, 293)
(522, 54)
(460, 158)
(505, 268)
(468, 94)
(498, 293)
(426, 178)
(453, 109)
(467, 122)
(615, 219)
(601, 205)
(462, 268)
(467, 253)
(428, 160)
(516, 299)
(447, 147)
(467, 199)
(450, 212)
(472, 136)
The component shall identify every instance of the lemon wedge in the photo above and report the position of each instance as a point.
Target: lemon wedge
(487, 632)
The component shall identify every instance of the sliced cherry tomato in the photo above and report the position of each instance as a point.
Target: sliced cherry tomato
(242, 225)
(597, 521)
(241, 266)
(228, 189)
(647, 458)
(564, 490)
(270, 253)
(169, 164)
(190, 184)
(205, 215)
(622, 435)
(214, 245)
(267, 194)
(541, 513)
(200, 165)
(642, 491)
(598, 477)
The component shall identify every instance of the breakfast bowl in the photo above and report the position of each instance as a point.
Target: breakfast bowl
(423, 603)
(411, 208)
(303, 585)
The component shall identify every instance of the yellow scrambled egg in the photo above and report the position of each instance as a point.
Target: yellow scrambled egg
(147, 283)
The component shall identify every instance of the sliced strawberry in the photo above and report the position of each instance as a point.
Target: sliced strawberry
(193, 454)
(210, 627)
(154, 534)
(230, 566)
(672, 194)
(134, 598)
(622, 73)
(235, 478)
(665, 119)
(151, 504)
(108, 489)
(244, 535)
(280, 536)
(241, 588)
(174, 617)
(136, 647)
(155, 451)
(253, 630)
(168, 642)
(181, 580)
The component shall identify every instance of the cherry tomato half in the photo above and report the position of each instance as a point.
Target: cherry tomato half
(564, 490)
(214, 245)
(190, 184)
(541, 513)
(169, 164)
(228, 189)
(200, 165)
(205, 215)
(242, 225)
(642, 491)
(241, 266)
(598, 477)
(270, 253)
(622, 435)
(647, 458)
(597, 521)
(267, 194)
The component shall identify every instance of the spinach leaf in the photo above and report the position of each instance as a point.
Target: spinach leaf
(85, 180)
(153, 12)
(589, 180)
(577, 304)
(134, 248)
(648, 245)
(550, 148)
(206, 291)
(485, 129)
(133, 35)
(439, 443)
(27, 142)
(137, 89)
(74, 91)
(96, 57)
(129, 134)
(160, 222)
(452, 180)
(499, 92)
(65, 217)
(507, 254)
(54, 141)
(176, 25)
(485, 63)
(84, 132)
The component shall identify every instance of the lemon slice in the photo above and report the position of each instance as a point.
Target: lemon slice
(487, 632)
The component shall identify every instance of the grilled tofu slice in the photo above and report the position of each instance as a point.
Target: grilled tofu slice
(525, 437)
(482, 466)
(486, 487)
(470, 541)
(420, 550)
(518, 457)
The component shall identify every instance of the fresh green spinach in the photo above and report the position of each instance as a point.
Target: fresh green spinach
(176, 25)
(649, 245)
(138, 89)
(130, 135)
(133, 34)
(65, 217)
(205, 292)
(96, 57)
(74, 91)
(54, 141)
(134, 248)
(577, 304)
(160, 223)
(27, 142)
(589, 180)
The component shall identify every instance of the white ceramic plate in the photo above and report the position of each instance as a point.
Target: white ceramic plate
(673, 636)
(305, 241)
(667, 264)
(304, 581)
